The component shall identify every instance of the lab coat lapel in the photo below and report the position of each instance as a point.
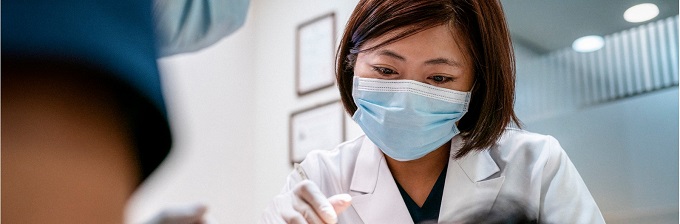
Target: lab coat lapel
(375, 196)
(469, 187)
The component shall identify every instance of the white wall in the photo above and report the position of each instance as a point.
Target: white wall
(276, 97)
(210, 96)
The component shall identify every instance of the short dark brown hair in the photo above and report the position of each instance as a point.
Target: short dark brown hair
(483, 26)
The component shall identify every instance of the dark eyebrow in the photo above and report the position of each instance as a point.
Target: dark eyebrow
(391, 54)
(438, 61)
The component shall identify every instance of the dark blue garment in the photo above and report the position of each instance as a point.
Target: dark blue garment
(431, 206)
(115, 37)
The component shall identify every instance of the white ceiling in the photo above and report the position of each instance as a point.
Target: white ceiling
(548, 25)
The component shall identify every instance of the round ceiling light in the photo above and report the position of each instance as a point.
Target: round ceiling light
(588, 44)
(641, 13)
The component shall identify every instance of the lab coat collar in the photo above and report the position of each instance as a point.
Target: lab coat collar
(376, 197)
(471, 186)
(368, 164)
(477, 165)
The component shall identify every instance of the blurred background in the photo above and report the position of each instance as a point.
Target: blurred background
(614, 109)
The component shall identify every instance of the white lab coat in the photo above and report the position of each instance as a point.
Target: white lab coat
(529, 167)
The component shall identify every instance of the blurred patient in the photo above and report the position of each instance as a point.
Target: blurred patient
(83, 117)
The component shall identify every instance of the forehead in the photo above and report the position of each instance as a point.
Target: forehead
(438, 41)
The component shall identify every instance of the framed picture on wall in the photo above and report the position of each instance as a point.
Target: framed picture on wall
(314, 54)
(319, 127)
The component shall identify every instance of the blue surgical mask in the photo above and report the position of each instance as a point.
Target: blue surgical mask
(407, 119)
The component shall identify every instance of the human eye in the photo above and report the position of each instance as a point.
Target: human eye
(384, 71)
(440, 79)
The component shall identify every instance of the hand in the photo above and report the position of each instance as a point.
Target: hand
(306, 204)
(191, 214)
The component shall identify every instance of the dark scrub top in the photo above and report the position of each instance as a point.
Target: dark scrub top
(115, 38)
(430, 209)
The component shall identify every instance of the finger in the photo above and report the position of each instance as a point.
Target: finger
(280, 210)
(340, 202)
(309, 192)
(307, 211)
(296, 219)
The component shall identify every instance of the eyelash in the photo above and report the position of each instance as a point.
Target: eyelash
(445, 79)
(388, 71)
(384, 71)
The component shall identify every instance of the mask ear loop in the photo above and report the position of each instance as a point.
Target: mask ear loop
(473, 86)
(470, 96)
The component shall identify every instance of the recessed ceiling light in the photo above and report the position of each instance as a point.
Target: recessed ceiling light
(641, 13)
(588, 44)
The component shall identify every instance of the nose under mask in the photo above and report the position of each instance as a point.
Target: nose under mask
(407, 119)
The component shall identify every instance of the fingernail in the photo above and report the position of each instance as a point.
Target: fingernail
(345, 198)
(329, 212)
(341, 199)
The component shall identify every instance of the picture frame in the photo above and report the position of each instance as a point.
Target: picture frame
(318, 127)
(315, 54)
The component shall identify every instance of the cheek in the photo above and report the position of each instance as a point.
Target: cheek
(363, 70)
(363, 66)
(468, 80)
(463, 82)
(358, 70)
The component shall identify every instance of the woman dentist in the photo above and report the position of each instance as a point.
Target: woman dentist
(431, 83)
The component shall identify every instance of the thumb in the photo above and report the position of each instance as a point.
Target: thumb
(340, 202)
